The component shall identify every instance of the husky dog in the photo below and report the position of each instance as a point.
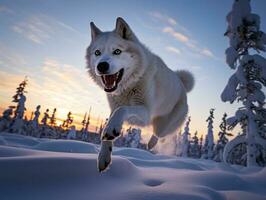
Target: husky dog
(140, 88)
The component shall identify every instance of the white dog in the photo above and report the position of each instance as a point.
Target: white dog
(140, 88)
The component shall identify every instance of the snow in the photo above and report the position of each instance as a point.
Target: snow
(34, 168)
(229, 93)
(231, 56)
(241, 9)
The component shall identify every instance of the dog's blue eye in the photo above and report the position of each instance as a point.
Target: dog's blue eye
(117, 52)
(97, 52)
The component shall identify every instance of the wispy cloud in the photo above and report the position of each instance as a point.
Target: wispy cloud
(167, 20)
(40, 28)
(10, 59)
(181, 34)
(177, 35)
(207, 52)
(34, 29)
(173, 50)
(191, 44)
(5, 9)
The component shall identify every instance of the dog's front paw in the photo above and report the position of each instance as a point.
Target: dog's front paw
(104, 157)
(111, 131)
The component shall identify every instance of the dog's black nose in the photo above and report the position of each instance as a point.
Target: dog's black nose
(103, 67)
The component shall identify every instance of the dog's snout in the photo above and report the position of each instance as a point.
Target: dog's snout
(103, 67)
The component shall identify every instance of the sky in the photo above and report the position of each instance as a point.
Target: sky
(46, 40)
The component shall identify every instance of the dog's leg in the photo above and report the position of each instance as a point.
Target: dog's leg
(104, 157)
(113, 128)
(152, 142)
(167, 124)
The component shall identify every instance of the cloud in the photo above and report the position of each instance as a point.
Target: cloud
(177, 35)
(164, 18)
(191, 44)
(173, 50)
(207, 52)
(5, 9)
(10, 59)
(34, 29)
(40, 28)
(167, 20)
(172, 27)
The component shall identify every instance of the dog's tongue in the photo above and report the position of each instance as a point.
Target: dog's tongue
(110, 80)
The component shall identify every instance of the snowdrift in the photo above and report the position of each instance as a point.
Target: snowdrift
(41, 169)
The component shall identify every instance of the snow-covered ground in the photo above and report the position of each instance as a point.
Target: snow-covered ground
(37, 169)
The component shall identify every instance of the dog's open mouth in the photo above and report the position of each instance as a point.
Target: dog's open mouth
(111, 81)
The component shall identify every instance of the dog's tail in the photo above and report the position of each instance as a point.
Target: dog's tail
(187, 79)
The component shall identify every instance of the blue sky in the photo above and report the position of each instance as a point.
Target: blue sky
(46, 40)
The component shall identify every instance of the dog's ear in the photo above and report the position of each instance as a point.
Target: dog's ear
(95, 31)
(123, 29)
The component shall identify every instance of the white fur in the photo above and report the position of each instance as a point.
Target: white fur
(149, 92)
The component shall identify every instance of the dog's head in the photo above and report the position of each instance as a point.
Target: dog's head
(112, 57)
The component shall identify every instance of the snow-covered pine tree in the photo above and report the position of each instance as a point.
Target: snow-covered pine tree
(72, 133)
(35, 121)
(194, 147)
(204, 148)
(210, 143)
(86, 127)
(223, 134)
(200, 145)
(20, 99)
(249, 78)
(68, 121)
(45, 117)
(136, 137)
(185, 139)
(53, 118)
(6, 119)
(179, 144)
(84, 134)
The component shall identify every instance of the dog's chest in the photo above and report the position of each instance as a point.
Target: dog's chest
(134, 96)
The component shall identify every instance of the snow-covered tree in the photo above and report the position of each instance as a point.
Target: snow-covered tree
(84, 132)
(136, 137)
(71, 133)
(133, 137)
(20, 99)
(249, 78)
(204, 148)
(179, 143)
(35, 121)
(68, 121)
(223, 134)
(185, 139)
(53, 118)
(210, 142)
(6, 119)
(200, 144)
(194, 146)
(45, 117)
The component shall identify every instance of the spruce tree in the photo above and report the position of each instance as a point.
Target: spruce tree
(53, 118)
(20, 99)
(222, 141)
(210, 141)
(185, 139)
(249, 77)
